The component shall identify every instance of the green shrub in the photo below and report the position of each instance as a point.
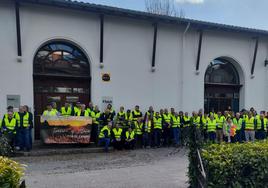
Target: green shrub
(5, 149)
(11, 173)
(236, 165)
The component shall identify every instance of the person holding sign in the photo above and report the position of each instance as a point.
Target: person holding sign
(66, 110)
(82, 111)
(49, 111)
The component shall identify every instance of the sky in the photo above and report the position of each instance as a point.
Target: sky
(245, 13)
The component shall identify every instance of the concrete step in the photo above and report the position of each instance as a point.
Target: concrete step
(57, 149)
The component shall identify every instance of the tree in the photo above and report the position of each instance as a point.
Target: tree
(164, 7)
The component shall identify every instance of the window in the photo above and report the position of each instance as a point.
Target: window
(61, 58)
(221, 71)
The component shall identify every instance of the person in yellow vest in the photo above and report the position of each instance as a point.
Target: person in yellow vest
(250, 127)
(95, 114)
(261, 127)
(204, 120)
(149, 114)
(238, 122)
(157, 124)
(121, 117)
(219, 132)
(196, 122)
(227, 129)
(105, 136)
(90, 108)
(82, 111)
(136, 113)
(54, 107)
(9, 127)
(116, 135)
(49, 111)
(111, 110)
(9, 109)
(76, 107)
(175, 127)
(128, 121)
(138, 132)
(186, 120)
(130, 138)
(147, 132)
(23, 131)
(66, 110)
(166, 128)
(211, 125)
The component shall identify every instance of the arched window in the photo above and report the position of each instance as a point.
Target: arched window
(61, 59)
(221, 71)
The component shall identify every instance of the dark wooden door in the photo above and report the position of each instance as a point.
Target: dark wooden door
(59, 90)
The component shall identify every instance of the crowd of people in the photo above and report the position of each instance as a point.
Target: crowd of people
(17, 128)
(132, 129)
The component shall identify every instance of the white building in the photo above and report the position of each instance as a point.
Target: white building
(54, 50)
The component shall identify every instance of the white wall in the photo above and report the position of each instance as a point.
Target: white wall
(127, 56)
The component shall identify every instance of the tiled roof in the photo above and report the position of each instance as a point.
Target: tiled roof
(108, 10)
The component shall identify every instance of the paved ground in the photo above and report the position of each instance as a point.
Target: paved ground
(157, 168)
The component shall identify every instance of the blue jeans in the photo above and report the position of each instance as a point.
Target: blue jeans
(212, 136)
(24, 136)
(157, 137)
(106, 142)
(176, 135)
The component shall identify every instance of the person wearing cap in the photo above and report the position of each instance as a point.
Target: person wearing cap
(9, 127)
(105, 136)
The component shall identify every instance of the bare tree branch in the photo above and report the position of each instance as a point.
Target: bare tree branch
(164, 7)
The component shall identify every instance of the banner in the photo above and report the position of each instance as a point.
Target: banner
(65, 130)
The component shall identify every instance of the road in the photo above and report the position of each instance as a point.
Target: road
(158, 168)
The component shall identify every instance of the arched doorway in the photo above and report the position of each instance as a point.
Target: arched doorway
(61, 72)
(222, 86)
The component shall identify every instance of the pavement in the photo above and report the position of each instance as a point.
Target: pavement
(143, 168)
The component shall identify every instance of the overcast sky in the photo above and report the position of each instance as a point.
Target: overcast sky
(246, 13)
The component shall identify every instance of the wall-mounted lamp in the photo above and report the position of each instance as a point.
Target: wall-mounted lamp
(153, 68)
(19, 59)
(101, 65)
(265, 62)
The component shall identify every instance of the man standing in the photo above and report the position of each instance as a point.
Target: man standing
(23, 121)
(158, 123)
(82, 111)
(250, 128)
(121, 117)
(238, 121)
(66, 110)
(136, 113)
(261, 127)
(138, 132)
(211, 125)
(166, 127)
(95, 114)
(175, 124)
(219, 132)
(49, 112)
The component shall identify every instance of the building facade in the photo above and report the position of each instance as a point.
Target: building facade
(62, 50)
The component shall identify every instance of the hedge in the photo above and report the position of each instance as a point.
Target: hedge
(236, 165)
(5, 149)
(11, 173)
